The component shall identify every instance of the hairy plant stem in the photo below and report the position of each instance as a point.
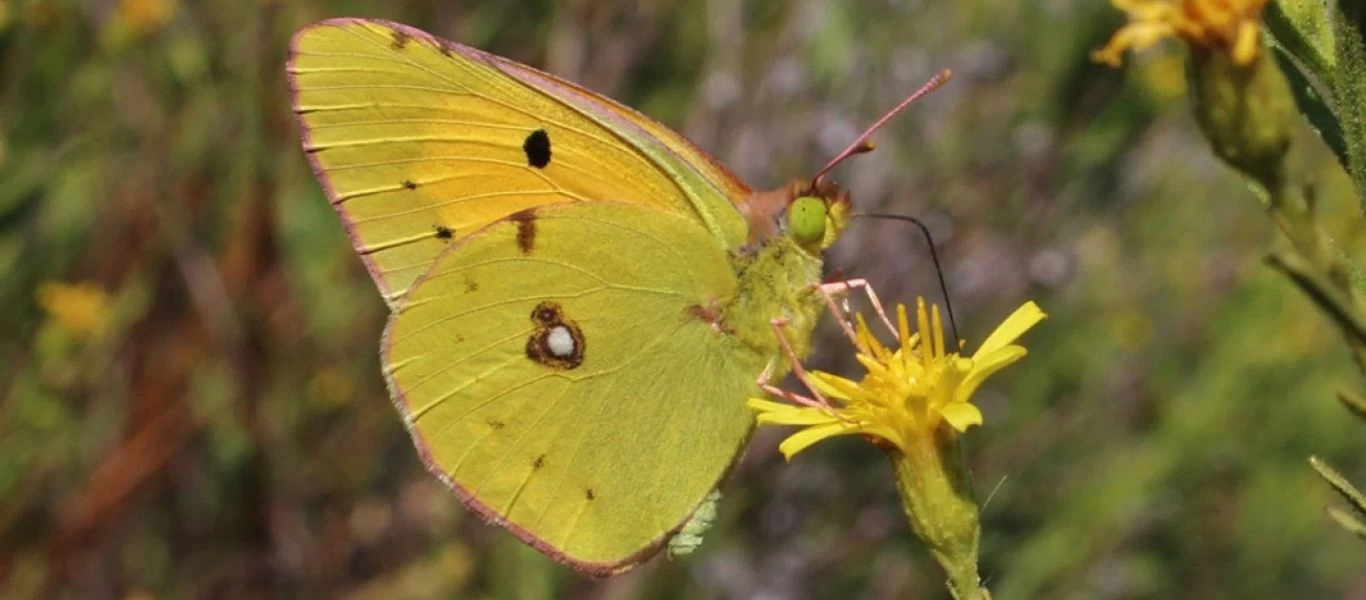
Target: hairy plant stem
(936, 492)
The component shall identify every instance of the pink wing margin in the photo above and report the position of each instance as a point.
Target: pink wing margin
(306, 138)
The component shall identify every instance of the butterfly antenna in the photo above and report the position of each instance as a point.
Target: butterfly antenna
(862, 144)
(934, 256)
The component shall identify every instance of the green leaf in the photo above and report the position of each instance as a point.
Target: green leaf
(1347, 521)
(1341, 485)
(1354, 403)
(1313, 107)
(1349, 102)
(1323, 292)
(1302, 28)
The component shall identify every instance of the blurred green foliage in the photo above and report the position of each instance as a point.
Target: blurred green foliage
(191, 398)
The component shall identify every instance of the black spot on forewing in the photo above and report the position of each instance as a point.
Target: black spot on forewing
(444, 233)
(549, 319)
(495, 424)
(409, 185)
(526, 229)
(400, 40)
(540, 462)
(590, 495)
(537, 148)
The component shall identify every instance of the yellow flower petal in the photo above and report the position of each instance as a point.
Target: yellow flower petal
(1142, 9)
(936, 332)
(1228, 26)
(884, 432)
(762, 405)
(796, 415)
(912, 366)
(877, 368)
(805, 438)
(908, 340)
(1026, 316)
(922, 324)
(832, 386)
(1134, 36)
(983, 367)
(868, 342)
(962, 415)
(1245, 45)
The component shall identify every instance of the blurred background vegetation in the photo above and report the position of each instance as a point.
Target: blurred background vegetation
(190, 396)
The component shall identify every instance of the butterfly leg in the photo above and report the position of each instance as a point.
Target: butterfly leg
(838, 310)
(829, 289)
(764, 380)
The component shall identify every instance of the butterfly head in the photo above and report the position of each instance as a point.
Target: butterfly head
(811, 214)
(816, 215)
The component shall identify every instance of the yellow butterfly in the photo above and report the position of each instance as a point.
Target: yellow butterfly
(581, 299)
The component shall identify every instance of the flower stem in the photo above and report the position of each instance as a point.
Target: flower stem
(936, 492)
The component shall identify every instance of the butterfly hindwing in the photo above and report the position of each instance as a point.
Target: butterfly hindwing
(560, 371)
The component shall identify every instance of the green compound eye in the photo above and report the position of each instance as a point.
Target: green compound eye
(806, 219)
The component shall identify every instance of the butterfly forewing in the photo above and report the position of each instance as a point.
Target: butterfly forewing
(420, 142)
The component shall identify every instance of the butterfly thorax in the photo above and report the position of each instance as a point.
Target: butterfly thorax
(777, 274)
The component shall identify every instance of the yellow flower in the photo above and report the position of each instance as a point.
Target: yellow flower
(1227, 26)
(147, 15)
(907, 393)
(79, 307)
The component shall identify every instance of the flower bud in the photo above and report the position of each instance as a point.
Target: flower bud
(1245, 110)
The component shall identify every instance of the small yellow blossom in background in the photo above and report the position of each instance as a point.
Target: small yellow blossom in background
(908, 392)
(133, 21)
(81, 308)
(1227, 26)
(1239, 95)
(147, 15)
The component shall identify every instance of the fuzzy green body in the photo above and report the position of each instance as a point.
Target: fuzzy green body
(778, 279)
